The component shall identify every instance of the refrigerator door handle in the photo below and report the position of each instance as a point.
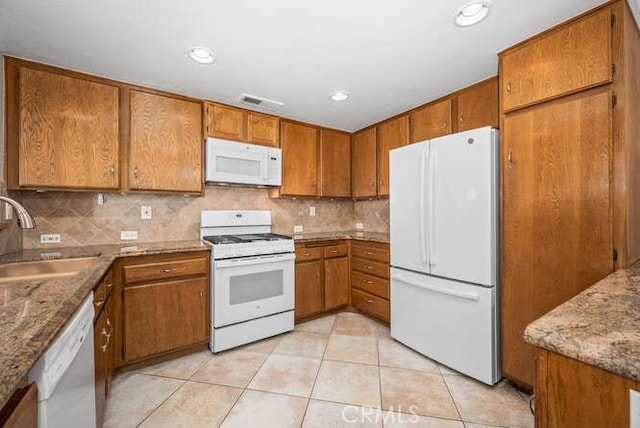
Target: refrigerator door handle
(440, 290)
(423, 176)
(432, 208)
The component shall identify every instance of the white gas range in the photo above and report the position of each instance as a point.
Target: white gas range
(252, 277)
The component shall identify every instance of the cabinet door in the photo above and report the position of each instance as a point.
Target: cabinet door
(572, 57)
(335, 163)
(166, 144)
(264, 129)
(299, 159)
(557, 214)
(21, 411)
(308, 288)
(336, 282)
(431, 121)
(478, 106)
(161, 317)
(227, 122)
(364, 165)
(68, 136)
(100, 348)
(391, 134)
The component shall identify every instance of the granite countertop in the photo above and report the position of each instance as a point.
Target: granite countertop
(348, 234)
(600, 326)
(33, 313)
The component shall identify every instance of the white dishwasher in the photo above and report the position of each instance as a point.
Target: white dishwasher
(65, 375)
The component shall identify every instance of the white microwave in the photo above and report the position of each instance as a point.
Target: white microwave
(231, 162)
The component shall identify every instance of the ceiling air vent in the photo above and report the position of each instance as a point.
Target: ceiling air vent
(253, 101)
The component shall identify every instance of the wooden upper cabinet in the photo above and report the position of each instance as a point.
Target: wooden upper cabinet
(165, 152)
(565, 60)
(431, 121)
(68, 134)
(335, 163)
(231, 123)
(226, 122)
(264, 129)
(391, 134)
(478, 105)
(299, 159)
(363, 164)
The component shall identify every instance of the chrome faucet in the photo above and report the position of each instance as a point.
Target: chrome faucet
(25, 221)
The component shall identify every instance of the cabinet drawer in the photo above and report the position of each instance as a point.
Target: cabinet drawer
(165, 270)
(370, 284)
(311, 253)
(370, 251)
(370, 304)
(370, 267)
(101, 293)
(331, 251)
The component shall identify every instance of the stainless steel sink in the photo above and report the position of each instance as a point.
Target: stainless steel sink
(41, 270)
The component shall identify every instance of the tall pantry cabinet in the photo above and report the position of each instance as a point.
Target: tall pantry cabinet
(569, 189)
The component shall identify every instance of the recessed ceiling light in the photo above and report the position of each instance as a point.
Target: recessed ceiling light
(339, 95)
(472, 13)
(201, 55)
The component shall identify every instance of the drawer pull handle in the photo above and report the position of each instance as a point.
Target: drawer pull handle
(98, 303)
(369, 253)
(367, 281)
(306, 254)
(109, 284)
(368, 266)
(368, 300)
(110, 327)
(335, 251)
(166, 270)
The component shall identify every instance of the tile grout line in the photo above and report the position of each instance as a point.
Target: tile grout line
(444, 380)
(161, 403)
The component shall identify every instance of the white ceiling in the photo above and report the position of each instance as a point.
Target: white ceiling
(389, 55)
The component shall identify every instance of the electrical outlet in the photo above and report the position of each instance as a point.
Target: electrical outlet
(51, 238)
(128, 235)
(359, 226)
(297, 228)
(312, 211)
(145, 212)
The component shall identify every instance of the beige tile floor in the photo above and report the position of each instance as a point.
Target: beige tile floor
(342, 370)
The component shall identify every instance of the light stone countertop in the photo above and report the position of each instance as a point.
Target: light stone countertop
(33, 313)
(600, 326)
(348, 234)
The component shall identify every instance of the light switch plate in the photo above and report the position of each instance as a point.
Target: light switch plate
(359, 226)
(312, 211)
(128, 235)
(297, 228)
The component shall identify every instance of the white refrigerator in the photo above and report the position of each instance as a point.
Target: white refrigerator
(444, 250)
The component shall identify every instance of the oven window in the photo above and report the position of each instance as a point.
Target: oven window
(255, 286)
(236, 166)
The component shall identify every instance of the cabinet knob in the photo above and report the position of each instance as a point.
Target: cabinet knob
(112, 171)
(444, 124)
(201, 295)
(461, 118)
(509, 88)
(135, 171)
(510, 159)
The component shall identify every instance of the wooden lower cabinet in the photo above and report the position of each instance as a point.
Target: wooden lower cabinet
(165, 304)
(570, 393)
(103, 342)
(322, 277)
(370, 278)
(21, 410)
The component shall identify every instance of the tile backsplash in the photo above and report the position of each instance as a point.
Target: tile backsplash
(79, 219)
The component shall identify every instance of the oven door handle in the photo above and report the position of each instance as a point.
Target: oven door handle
(255, 260)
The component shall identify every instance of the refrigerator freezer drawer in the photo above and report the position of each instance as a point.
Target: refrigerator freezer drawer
(451, 322)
